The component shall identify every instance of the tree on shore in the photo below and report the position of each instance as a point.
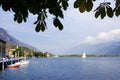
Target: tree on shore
(41, 8)
(18, 53)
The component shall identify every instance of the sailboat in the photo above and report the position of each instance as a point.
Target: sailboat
(23, 62)
(84, 55)
(56, 56)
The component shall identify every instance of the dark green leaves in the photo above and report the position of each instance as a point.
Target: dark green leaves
(109, 11)
(54, 7)
(41, 24)
(18, 18)
(5, 6)
(97, 14)
(103, 9)
(103, 12)
(117, 12)
(77, 3)
(38, 27)
(58, 24)
(84, 5)
(89, 5)
(117, 8)
(64, 4)
(41, 8)
(117, 3)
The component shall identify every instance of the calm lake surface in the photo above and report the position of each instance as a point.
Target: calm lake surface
(107, 68)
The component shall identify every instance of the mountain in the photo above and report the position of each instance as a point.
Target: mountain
(106, 48)
(5, 36)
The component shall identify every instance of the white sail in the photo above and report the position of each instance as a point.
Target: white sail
(84, 55)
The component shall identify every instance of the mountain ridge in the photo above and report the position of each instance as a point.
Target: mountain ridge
(108, 48)
(5, 36)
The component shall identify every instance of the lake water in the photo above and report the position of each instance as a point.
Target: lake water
(107, 68)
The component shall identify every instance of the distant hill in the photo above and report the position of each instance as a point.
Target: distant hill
(107, 48)
(5, 36)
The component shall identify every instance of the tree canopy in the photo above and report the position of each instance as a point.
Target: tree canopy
(41, 8)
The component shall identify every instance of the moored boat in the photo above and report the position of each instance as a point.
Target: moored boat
(13, 66)
(24, 62)
(56, 56)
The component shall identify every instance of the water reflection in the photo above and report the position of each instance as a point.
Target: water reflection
(65, 69)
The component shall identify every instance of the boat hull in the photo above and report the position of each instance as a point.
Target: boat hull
(13, 66)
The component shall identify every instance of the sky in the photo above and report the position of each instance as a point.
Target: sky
(78, 28)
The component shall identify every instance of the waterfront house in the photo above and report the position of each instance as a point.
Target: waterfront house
(9, 51)
(5, 38)
(2, 48)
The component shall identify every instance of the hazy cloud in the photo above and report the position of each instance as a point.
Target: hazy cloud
(89, 39)
(112, 35)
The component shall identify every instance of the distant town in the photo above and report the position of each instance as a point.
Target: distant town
(10, 47)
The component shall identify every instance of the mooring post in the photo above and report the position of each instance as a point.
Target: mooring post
(3, 64)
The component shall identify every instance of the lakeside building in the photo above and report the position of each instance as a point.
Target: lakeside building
(9, 52)
(5, 38)
(2, 48)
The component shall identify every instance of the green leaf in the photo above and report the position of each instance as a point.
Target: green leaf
(77, 3)
(117, 3)
(109, 11)
(98, 8)
(61, 27)
(89, 5)
(117, 12)
(42, 27)
(55, 22)
(97, 14)
(25, 13)
(103, 12)
(0, 2)
(19, 20)
(57, 12)
(5, 6)
(44, 23)
(61, 15)
(64, 4)
(15, 17)
(24, 18)
(82, 7)
(37, 29)
(35, 22)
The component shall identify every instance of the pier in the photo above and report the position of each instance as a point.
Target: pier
(4, 63)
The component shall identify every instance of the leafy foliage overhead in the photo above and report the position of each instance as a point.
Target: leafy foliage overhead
(41, 8)
(102, 10)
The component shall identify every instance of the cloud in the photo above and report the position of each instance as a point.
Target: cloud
(89, 39)
(109, 36)
(112, 35)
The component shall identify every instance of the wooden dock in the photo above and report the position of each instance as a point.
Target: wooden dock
(4, 63)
